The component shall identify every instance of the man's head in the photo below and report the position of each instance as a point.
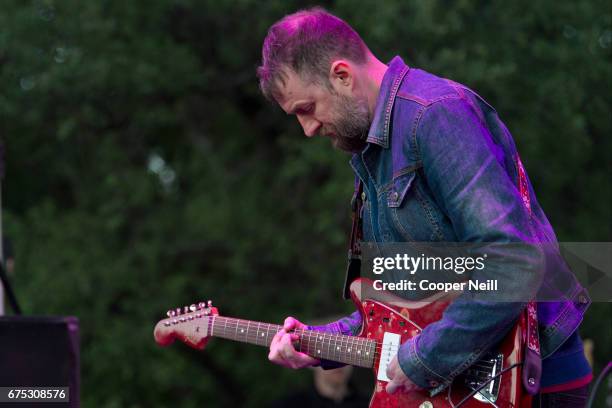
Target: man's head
(315, 66)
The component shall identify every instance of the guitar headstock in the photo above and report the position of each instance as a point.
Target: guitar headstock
(188, 324)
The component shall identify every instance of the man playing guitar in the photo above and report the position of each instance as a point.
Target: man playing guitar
(435, 163)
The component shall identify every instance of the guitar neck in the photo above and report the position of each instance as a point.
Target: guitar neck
(335, 347)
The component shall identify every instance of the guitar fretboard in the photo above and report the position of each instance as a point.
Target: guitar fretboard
(336, 347)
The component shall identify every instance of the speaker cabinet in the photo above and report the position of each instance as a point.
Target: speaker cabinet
(40, 352)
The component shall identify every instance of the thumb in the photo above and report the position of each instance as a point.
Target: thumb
(393, 386)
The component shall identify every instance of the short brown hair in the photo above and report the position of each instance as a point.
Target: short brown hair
(307, 42)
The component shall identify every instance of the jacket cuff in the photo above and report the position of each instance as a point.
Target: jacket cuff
(333, 328)
(417, 371)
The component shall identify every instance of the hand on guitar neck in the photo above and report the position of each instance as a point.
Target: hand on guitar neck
(282, 351)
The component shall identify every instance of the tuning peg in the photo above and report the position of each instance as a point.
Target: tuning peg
(192, 308)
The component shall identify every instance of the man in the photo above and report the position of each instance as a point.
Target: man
(436, 164)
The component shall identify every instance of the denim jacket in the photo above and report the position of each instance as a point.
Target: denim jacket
(441, 166)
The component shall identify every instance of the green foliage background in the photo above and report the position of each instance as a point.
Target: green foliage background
(145, 171)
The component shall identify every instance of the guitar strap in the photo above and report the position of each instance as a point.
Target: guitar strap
(353, 269)
(532, 363)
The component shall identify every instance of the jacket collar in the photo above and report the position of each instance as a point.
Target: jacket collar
(379, 129)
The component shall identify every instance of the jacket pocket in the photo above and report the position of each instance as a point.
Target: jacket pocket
(397, 193)
(411, 213)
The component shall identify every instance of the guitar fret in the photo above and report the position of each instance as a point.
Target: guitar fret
(265, 334)
(344, 343)
(336, 350)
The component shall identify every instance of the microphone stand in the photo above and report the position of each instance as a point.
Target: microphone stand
(3, 276)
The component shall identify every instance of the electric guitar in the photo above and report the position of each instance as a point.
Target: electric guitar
(388, 321)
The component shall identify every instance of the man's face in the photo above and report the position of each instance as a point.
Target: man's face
(343, 117)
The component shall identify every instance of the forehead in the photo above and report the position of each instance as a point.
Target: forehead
(295, 90)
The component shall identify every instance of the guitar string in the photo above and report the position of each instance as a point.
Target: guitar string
(324, 338)
(313, 340)
(328, 339)
(351, 357)
(331, 338)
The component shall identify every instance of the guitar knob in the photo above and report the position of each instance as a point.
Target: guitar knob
(177, 311)
(186, 309)
(193, 308)
(170, 313)
(201, 305)
(209, 303)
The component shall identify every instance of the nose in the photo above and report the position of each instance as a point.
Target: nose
(310, 125)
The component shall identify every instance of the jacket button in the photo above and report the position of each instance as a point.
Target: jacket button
(394, 196)
(582, 299)
(433, 383)
(363, 196)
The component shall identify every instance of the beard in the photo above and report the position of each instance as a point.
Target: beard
(350, 131)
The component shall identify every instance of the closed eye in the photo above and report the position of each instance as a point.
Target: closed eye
(305, 110)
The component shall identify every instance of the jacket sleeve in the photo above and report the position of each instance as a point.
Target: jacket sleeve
(464, 169)
(349, 325)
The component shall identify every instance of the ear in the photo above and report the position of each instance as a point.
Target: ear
(342, 76)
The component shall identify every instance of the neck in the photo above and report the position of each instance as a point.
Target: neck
(375, 72)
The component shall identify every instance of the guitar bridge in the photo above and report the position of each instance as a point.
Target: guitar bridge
(481, 372)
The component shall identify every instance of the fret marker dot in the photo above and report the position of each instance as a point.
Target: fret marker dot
(319, 351)
(320, 338)
(263, 334)
(349, 349)
(337, 348)
(241, 330)
(359, 352)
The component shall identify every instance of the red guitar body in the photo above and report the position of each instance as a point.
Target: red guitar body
(384, 312)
